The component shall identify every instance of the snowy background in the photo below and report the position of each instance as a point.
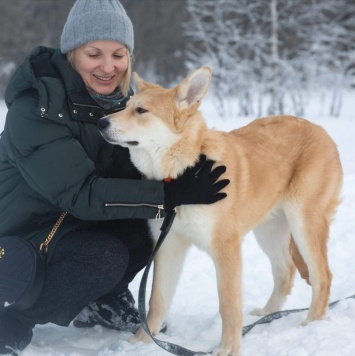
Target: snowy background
(194, 322)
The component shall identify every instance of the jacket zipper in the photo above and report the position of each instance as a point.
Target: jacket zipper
(87, 106)
(159, 207)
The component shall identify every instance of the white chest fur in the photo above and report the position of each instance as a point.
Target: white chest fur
(194, 223)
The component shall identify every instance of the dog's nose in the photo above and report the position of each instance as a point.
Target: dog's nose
(103, 123)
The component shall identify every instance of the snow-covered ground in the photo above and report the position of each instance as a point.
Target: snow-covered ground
(194, 322)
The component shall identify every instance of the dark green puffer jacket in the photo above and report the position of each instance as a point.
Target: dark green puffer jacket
(53, 158)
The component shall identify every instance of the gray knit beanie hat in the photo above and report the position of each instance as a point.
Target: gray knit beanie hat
(95, 20)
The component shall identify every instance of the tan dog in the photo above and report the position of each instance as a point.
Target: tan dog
(285, 179)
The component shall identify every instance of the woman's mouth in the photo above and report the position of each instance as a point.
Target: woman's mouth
(104, 78)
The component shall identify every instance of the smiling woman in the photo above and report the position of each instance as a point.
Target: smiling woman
(53, 160)
(77, 174)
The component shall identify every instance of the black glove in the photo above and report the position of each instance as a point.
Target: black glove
(197, 185)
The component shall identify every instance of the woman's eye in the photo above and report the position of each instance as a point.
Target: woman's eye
(140, 110)
(93, 55)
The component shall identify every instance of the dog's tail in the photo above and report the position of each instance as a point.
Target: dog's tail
(299, 261)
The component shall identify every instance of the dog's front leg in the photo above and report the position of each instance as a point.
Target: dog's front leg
(228, 262)
(167, 269)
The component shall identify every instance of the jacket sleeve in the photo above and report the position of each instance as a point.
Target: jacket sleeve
(55, 165)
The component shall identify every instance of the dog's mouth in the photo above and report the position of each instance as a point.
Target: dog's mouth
(121, 142)
(132, 143)
(115, 140)
(112, 134)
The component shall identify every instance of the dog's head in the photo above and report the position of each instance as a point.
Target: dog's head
(156, 118)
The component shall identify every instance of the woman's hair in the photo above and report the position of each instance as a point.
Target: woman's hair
(126, 80)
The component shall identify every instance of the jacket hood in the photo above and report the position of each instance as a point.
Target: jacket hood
(48, 72)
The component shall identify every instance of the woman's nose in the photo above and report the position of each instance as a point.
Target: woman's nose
(107, 65)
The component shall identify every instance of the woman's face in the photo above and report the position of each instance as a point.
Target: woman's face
(101, 64)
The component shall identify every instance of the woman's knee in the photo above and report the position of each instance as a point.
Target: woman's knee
(101, 253)
(115, 257)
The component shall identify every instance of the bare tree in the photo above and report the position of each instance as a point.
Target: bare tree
(275, 99)
(272, 54)
(215, 39)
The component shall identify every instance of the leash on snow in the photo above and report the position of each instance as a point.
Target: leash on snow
(179, 350)
(279, 314)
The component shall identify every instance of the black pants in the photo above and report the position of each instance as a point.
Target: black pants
(87, 265)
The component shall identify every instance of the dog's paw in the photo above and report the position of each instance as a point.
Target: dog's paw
(305, 322)
(140, 336)
(224, 352)
(259, 312)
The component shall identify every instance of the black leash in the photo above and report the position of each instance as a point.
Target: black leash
(172, 348)
(279, 314)
(176, 349)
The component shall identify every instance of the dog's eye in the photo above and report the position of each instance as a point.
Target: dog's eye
(140, 110)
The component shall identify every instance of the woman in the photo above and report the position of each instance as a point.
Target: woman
(53, 159)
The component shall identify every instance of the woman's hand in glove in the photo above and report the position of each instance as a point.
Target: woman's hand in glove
(197, 185)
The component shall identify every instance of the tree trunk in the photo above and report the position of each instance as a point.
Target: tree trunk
(274, 104)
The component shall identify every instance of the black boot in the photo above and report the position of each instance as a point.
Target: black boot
(111, 311)
(14, 335)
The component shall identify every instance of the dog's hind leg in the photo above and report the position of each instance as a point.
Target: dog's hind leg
(310, 229)
(309, 203)
(273, 236)
(167, 269)
(299, 261)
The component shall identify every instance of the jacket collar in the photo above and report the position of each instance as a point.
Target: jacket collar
(81, 106)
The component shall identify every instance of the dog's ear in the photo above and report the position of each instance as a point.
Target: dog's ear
(192, 89)
(141, 84)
